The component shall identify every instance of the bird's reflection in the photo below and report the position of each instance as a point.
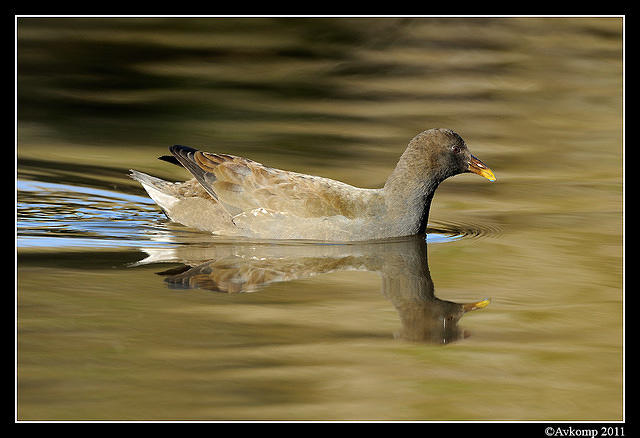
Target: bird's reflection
(235, 267)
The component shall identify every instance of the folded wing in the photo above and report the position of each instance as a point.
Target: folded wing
(242, 185)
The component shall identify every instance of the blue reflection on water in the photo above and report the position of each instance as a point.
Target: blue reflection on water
(39, 186)
(62, 215)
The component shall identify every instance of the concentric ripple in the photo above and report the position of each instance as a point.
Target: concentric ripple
(438, 232)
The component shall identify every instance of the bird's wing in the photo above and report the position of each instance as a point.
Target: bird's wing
(243, 185)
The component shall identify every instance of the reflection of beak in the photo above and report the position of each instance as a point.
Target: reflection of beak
(477, 166)
(474, 306)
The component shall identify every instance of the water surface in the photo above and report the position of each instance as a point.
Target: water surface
(123, 315)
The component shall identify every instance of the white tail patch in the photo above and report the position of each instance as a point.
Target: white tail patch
(156, 188)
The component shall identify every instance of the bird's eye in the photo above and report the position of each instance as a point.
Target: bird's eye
(455, 149)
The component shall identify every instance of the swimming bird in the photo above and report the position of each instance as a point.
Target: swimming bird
(235, 196)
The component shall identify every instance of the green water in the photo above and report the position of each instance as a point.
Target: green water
(122, 315)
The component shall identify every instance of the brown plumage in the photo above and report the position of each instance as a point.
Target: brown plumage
(236, 196)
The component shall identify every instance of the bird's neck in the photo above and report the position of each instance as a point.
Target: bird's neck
(408, 195)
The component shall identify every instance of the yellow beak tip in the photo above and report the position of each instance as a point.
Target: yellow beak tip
(479, 168)
(475, 306)
(486, 173)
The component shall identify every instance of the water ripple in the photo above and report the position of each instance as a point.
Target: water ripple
(449, 231)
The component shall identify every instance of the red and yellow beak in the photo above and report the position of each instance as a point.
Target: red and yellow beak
(477, 166)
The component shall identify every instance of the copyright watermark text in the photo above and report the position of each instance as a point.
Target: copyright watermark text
(593, 432)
